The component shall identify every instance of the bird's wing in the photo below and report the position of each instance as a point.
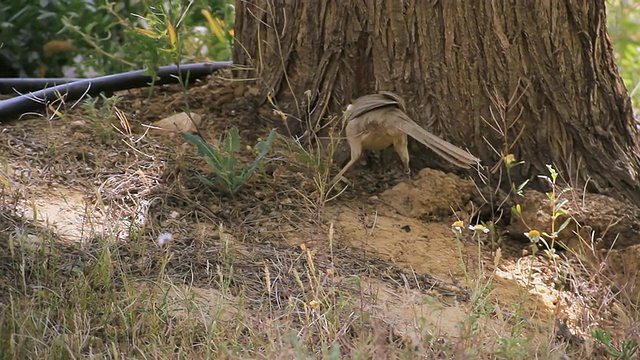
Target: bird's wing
(371, 102)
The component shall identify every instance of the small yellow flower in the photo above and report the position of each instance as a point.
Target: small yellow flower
(509, 159)
(479, 228)
(533, 235)
(457, 226)
(314, 304)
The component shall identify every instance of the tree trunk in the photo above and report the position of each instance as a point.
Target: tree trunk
(535, 79)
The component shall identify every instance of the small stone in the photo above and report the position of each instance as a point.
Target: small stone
(76, 125)
(178, 123)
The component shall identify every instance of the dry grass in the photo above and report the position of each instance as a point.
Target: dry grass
(231, 282)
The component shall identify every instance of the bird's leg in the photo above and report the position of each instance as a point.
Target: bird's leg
(400, 146)
(356, 150)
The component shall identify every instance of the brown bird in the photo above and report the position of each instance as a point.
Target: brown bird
(377, 121)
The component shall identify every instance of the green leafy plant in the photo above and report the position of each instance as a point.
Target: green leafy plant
(627, 350)
(77, 38)
(101, 114)
(558, 205)
(230, 177)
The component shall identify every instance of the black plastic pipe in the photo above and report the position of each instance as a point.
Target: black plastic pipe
(9, 86)
(72, 91)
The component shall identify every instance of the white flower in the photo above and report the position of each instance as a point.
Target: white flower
(478, 228)
(164, 237)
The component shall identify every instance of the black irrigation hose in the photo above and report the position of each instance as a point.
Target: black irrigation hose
(9, 86)
(72, 91)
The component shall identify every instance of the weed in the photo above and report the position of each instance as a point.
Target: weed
(558, 203)
(101, 113)
(315, 155)
(223, 161)
(627, 349)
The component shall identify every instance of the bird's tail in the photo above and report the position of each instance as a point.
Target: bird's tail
(445, 149)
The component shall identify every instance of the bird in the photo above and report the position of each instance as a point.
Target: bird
(377, 121)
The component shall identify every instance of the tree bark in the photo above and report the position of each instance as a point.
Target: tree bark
(536, 79)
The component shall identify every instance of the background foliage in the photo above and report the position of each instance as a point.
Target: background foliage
(623, 22)
(95, 37)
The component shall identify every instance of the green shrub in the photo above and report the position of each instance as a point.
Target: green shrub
(229, 176)
(38, 37)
